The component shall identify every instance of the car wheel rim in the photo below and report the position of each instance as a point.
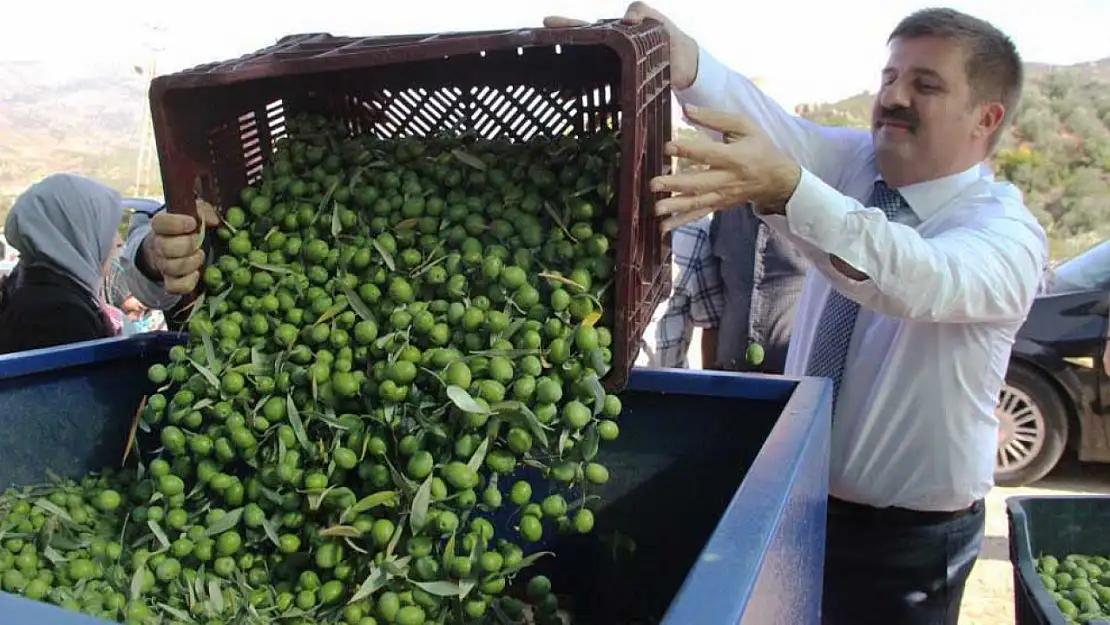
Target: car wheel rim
(1021, 430)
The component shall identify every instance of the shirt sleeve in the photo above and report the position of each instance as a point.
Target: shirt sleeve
(825, 151)
(672, 333)
(705, 287)
(987, 269)
(696, 294)
(152, 294)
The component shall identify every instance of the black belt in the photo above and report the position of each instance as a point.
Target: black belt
(903, 517)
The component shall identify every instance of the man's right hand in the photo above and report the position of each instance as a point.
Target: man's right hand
(171, 249)
(684, 50)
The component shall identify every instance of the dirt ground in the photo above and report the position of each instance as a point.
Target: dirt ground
(989, 599)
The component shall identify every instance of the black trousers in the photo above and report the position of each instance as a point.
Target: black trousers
(898, 567)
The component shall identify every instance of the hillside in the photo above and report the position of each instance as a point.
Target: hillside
(86, 123)
(1057, 152)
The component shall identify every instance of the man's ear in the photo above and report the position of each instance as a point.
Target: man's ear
(991, 115)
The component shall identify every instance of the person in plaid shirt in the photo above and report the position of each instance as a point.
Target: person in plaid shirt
(737, 282)
(697, 297)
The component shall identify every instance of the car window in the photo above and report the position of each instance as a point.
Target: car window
(1086, 272)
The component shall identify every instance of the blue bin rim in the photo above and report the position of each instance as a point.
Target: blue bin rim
(47, 359)
(704, 595)
(1021, 551)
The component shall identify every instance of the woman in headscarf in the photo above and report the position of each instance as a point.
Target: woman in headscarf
(66, 229)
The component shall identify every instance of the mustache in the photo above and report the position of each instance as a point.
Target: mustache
(901, 116)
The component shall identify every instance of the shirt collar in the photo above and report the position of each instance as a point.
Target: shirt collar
(926, 198)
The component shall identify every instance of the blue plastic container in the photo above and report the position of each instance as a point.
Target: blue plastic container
(714, 515)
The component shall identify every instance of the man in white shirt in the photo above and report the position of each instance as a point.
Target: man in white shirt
(924, 268)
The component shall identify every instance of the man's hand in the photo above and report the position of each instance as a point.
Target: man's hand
(684, 49)
(172, 247)
(747, 167)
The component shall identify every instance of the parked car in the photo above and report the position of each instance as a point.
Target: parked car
(1057, 395)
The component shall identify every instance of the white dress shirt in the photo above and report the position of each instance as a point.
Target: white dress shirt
(914, 423)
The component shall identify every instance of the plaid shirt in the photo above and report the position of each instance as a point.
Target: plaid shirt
(697, 297)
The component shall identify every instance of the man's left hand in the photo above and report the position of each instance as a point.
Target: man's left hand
(745, 167)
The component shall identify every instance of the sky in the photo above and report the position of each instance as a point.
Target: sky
(802, 50)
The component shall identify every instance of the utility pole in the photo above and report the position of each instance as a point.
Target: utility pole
(145, 161)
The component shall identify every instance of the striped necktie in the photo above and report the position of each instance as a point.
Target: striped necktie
(838, 318)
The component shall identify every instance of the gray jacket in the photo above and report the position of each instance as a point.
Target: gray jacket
(763, 277)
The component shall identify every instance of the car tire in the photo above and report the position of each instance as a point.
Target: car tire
(1033, 427)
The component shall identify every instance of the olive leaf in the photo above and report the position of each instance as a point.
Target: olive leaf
(159, 535)
(336, 224)
(270, 268)
(224, 523)
(215, 595)
(216, 301)
(591, 440)
(358, 305)
(331, 312)
(177, 613)
(203, 227)
(209, 348)
(464, 401)
(597, 362)
(594, 384)
(564, 441)
(386, 257)
(195, 307)
(534, 423)
(206, 372)
(340, 531)
(558, 220)
(377, 579)
(591, 319)
(296, 423)
(387, 498)
(440, 588)
(270, 527)
(526, 562)
(53, 509)
(137, 582)
(420, 503)
(468, 159)
(479, 455)
(448, 552)
(325, 200)
(316, 498)
(577, 288)
(396, 538)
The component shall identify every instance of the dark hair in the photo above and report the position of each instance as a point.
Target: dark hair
(994, 67)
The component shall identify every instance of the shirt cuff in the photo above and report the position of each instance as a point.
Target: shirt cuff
(709, 84)
(817, 214)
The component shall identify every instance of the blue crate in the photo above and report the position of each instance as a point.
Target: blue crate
(719, 480)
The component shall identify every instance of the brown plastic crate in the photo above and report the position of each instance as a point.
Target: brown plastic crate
(214, 124)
